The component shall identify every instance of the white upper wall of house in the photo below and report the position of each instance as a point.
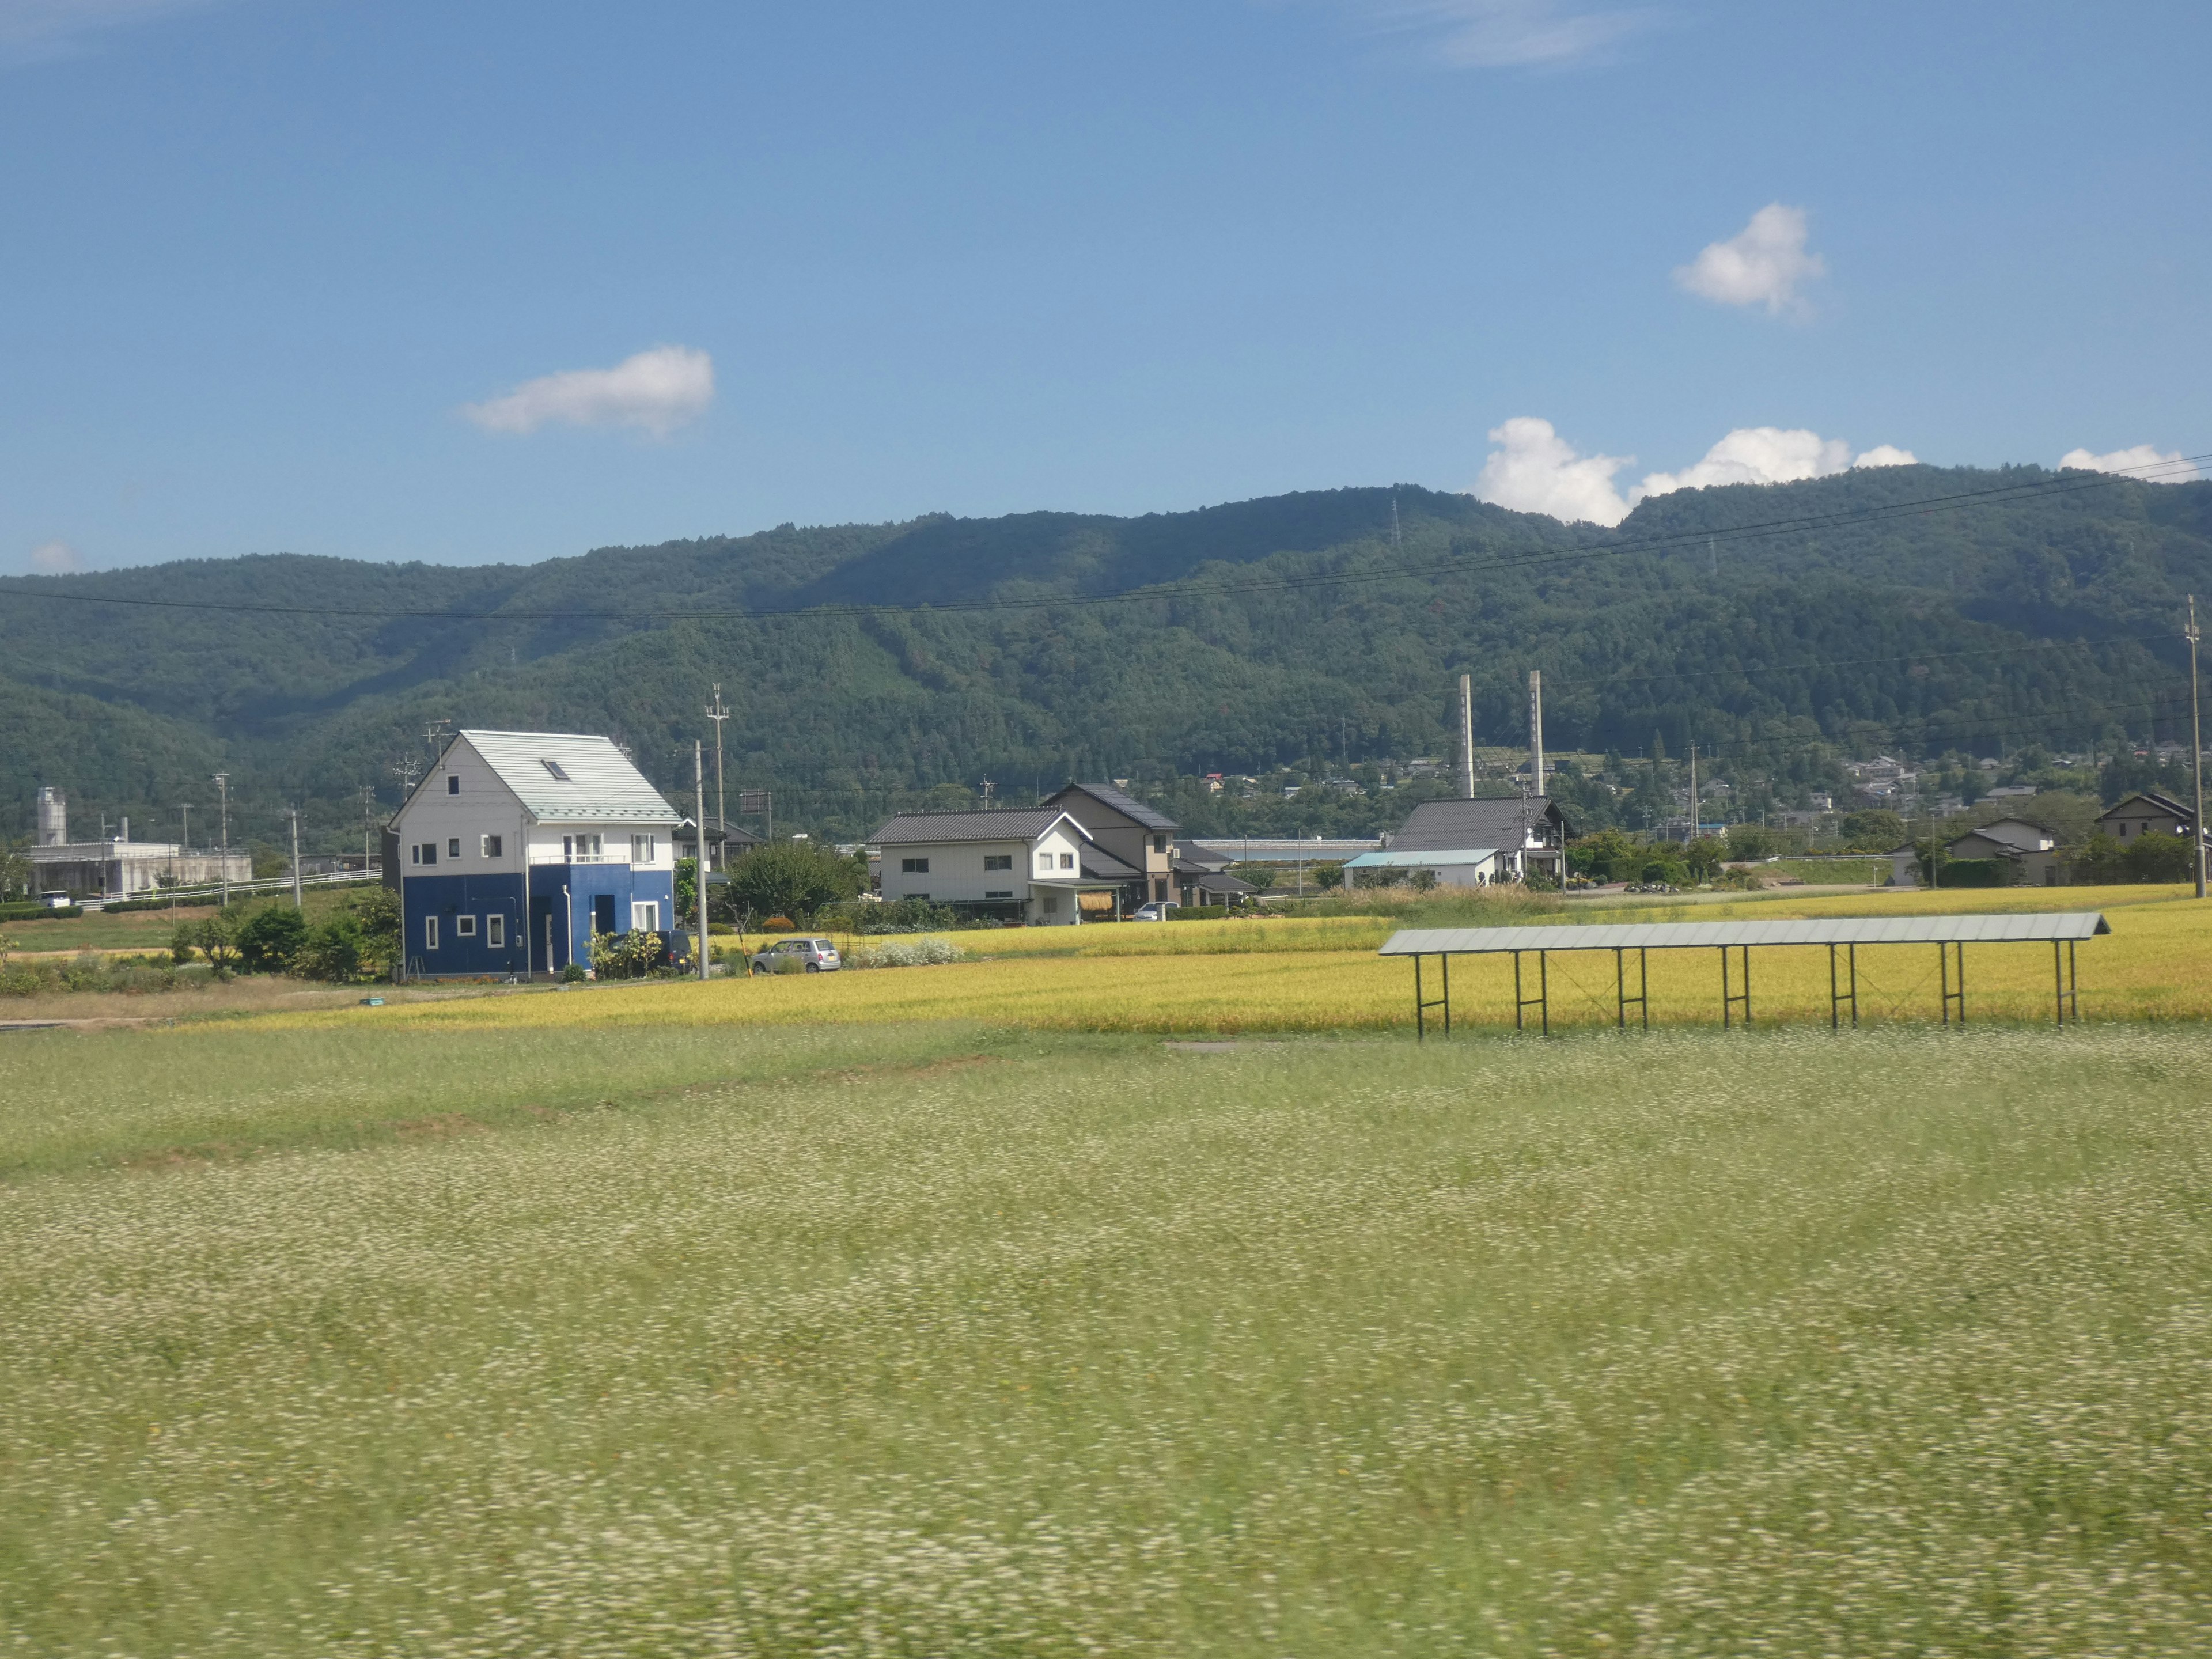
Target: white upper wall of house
(957, 870)
(465, 802)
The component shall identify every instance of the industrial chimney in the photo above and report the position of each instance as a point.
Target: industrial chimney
(1536, 729)
(53, 818)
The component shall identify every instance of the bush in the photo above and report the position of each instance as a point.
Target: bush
(906, 915)
(779, 925)
(38, 912)
(1198, 913)
(332, 950)
(572, 974)
(1975, 873)
(268, 940)
(626, 956)
(904, 953)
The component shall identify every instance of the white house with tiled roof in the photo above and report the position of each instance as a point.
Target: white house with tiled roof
(520, 846)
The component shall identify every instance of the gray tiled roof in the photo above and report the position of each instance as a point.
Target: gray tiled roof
(1128, 806)
(1026, 824)
(1099, 865)
(1443, 825)
(601, 785)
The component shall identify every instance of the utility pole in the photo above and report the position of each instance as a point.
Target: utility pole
(1694, 813)
(1466, 736)
(699, 863)
(987, 794)
(1536, 728)
(718, 713)
(223, 784)
(367, 809)
(296, 902)
(2196, 748)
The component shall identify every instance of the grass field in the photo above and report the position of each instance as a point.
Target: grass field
(924, 1339)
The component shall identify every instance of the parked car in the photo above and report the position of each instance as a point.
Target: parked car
(1156, 911)
(814, 956)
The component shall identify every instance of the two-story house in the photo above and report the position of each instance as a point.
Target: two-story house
(1507, 840)
(520, 846)
(1037, 866)
(1138, 836)
(2147, 813)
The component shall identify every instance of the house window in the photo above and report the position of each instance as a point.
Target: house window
(643, 849)
(1068, 861)
(453, 847)
(1159, 889)
(452, 783)
(1052, 904)
(430, 933)
(1008, 894)
(998, 861)
(427, 853)
(1044, 861)
(496, 932)
(414, 852)
(645, 915)
(914, 866)
(491, 846)
(1159, 843)
(465, 926)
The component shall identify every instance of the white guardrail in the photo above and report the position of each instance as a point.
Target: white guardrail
(200, 892)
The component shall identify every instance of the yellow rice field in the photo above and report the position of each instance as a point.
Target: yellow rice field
(1322, 975)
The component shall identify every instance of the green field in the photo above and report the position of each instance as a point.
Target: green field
(937, 1339)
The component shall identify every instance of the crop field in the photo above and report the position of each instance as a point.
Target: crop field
(929, 1338)
(1322, 975)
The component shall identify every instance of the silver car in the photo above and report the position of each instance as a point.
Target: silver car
(814, 956)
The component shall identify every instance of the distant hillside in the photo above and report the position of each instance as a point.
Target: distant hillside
(1270, 632)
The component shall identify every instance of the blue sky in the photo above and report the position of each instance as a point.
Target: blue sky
(283, 275)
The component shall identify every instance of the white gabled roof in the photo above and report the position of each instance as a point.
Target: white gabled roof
(589, 779)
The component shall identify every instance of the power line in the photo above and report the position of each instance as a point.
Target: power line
(2064, 483)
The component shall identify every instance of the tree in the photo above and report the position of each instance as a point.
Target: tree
(1702, 856)
(182, 941)
(687, 891)
(1877, 830)
(793, 879)
(14, 868)
(268, 940)
(377, 909)
(217, 937)
(2160, 858)
(331, 951)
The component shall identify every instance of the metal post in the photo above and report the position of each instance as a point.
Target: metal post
(718, 713)
(1544, 987)
(1421, 1017)
(296, 903)
(1444, 962)
(223, 784)
(699, 863)
(2058, 979)
(1518, 1005)
(1620, 986)
(2196, 749)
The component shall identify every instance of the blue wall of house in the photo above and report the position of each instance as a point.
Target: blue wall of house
(600, 893)
(449, 898)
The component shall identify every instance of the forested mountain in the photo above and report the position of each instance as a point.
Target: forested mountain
(1909, 608)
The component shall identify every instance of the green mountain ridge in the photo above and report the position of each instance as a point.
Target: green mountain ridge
(878, 662)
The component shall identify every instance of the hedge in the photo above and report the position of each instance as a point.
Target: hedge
(38, 912)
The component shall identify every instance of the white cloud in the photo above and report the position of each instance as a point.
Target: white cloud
(54, 558)
(1534, 470)
(2170, 467)
(1756, 454)
(1505, 34)
(1888, 455)
(658, 389)
(1761, 265)
(52, 28)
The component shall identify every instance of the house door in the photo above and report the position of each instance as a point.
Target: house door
(602, 914)
(544, 940)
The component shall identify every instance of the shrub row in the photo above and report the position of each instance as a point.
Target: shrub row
(38, 912)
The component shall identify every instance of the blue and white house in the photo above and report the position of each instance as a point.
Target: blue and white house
(520, 846)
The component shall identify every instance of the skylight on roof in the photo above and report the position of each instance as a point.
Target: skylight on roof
(554, 767)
